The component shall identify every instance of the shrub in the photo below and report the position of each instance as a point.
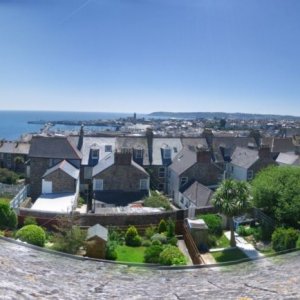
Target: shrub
(173, 241)
(8, 218)
(30, 221)
(211, 240)
(284, 238)
(152, 253)
(157, 200)
(150, 231)
(110, 250)
(214, 223)
(171, 255)
(245, 231)
(170, 228)
(32, 234)
(8, 177)
(159, 237)
(162, 226)
(132, 238)
(156, 243)
(69, 237)
(146, 243)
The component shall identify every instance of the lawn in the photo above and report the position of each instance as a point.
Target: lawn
(130, 254)
(228, 255)
(222, 242)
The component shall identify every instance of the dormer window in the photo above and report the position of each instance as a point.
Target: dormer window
(167, 153)
(108, 148)
(95, 153)
(138, 153)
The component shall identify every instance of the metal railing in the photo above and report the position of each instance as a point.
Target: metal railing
(19, 198)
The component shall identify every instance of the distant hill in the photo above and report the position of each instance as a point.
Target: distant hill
(219, 115)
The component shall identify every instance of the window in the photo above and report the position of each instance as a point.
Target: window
(183, 181)
(144, 184)
(108, 148)
(1, 155)
(98, 185)
(175, 149)
(161, 187)
(249, 174)
(95, 153)
(167, 153)
(138, 153)
(8, 160)
(161, 172)
(181, 200)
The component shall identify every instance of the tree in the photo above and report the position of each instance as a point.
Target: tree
(232, 198)
(276, 190)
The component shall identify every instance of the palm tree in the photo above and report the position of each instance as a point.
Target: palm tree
(232, 198)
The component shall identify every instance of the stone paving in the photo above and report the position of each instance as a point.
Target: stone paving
(30, 274)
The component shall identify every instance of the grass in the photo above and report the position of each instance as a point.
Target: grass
(228, 255)
(222, 242)
(5, 199)
(130, 254)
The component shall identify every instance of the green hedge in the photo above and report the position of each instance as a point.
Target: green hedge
(8, 218)
(284, 238)
(32, 234)
(171, 255)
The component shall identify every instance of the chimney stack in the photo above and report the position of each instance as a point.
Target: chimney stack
(123, 157)
(264, 151)
(149, 136)
(203, 155)
(80, 140)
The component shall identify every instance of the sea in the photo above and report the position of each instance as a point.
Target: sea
(13, 124)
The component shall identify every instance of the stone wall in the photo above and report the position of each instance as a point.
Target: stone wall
(38, 167)
(122, 177)
(61, 182)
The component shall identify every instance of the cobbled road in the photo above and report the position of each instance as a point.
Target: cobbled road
(31, 274)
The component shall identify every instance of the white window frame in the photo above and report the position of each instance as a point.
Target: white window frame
(108, 148)
(98, 184)
(250, 174)
(167, 153)
(138, 153)
(95, 153)
(183, 181)
(144, 184)
(161, 171)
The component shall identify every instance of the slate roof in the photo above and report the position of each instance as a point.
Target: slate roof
(97, 231)
(288, 159)
(199, 194)
(134, 143)
(174, 144)
(184, 160)
(65, 167)
(14, 147)
(109, 161)
(194, 142)
(53, 147)
(96, 143)
(279, 144)
(244, 157)
(230, 144)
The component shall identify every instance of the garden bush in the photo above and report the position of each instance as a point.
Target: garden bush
(159, 237)
(132, 238)
(171, 255)
(8, 218)
(146, 243)
(214, 223)
(245, 231)
(32, 234)
(156, 242)
(162, 226)
(157, 200)
(170, 228)
(173, 241)
(68, 236)
(152, 254)
(30, 221)
(8, 177)
(284, 238)
(110, 250)
(150, 231)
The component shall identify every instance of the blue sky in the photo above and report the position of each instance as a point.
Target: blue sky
(150, 55)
